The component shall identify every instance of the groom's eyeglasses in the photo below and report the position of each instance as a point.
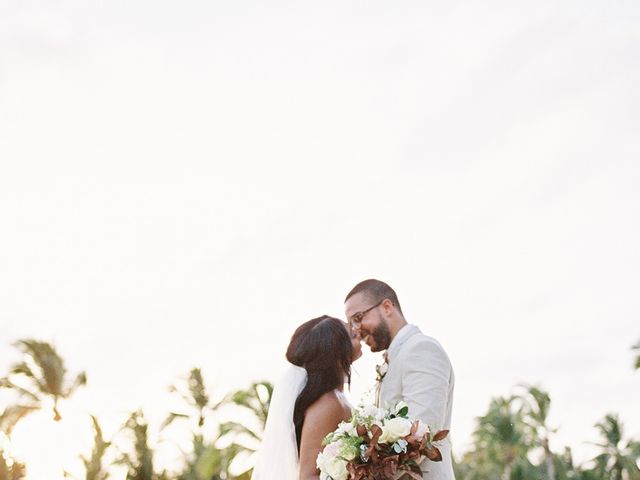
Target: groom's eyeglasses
(356, 318)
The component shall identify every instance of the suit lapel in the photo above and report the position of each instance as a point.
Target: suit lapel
(391, 354)
(401, 338)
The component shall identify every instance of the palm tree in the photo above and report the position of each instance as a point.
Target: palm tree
(41, 374)
(536, 404)
(636, 348)
(256, 399)
(617, 461)
(140, 461)
(11, 469)
(501, 445)
(206, 461)
(194, 394)
(564, 467)
(93, 466)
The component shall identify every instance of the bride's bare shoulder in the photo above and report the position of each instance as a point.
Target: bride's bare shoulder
(328, 408)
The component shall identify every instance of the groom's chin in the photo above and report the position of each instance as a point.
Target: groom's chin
(375, 347)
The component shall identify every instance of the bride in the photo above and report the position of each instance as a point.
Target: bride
(308, 402)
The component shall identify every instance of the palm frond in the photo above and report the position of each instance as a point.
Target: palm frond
(49, 363)
(256, 399)
(209, 463)
(194, 393)
(10, 469)
(636, 348)
(80, 381)
(611, 429)
(634, 447)
(140, 461)
(236, 428)
(43, 369)
(615, 460)
(12, 415)
(170, 418)
(541, 403)
(22, 368)
(197, 389)
(501, 437)
(21, 391)
(93, 464)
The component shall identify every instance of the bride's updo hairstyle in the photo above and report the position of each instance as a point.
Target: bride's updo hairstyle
(321, 346)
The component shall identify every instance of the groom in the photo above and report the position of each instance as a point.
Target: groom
(419, 371)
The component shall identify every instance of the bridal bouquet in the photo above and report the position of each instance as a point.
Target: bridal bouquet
(378, 444)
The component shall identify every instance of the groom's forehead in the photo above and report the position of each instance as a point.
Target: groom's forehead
(355, 304)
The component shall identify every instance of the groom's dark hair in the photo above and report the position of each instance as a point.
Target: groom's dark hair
(376, 291)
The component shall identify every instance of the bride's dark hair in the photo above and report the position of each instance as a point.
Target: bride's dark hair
(321, 346)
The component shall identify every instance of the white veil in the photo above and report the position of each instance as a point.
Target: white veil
(277, 457)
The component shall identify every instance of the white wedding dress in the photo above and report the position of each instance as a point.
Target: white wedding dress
(277, 457)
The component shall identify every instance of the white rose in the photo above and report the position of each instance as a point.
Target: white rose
(329, 463)
(347, 428)
(333, 467)
(330, 451)
(323, 460)
(338, 470)
(370, 411)
(394, 429)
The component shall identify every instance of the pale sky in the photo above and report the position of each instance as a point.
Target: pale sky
(182, 184)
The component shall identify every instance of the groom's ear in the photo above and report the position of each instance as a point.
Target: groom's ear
(388, 306)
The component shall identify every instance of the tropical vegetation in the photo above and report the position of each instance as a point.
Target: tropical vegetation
(511, 440)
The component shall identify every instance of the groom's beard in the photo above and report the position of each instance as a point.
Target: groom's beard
(382, 337)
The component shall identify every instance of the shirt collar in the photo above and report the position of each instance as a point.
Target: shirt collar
(402, 336)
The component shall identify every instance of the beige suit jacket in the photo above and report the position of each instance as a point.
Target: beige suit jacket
(420, 373)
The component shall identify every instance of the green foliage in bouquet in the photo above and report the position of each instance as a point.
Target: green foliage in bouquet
(379, 444)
